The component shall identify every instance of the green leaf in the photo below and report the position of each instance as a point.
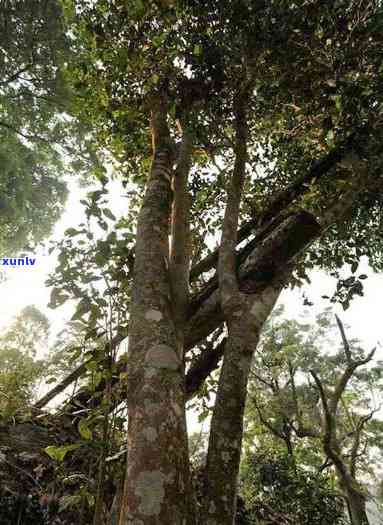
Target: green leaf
(83, 307)
(72, 232)
(338, 102)
(57, 298)
(91, 499)
(85, 431)
(330, 137)
(59, 453)
(197, 51)
(109, 214)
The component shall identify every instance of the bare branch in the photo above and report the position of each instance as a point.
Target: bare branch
(352, 365)
(346, 345)
(16, 75)
(325, 465)
(356, 444)
(263, 381)
(323, 396)
(27, 136)
(368, 358)
(76, 374)
(264, 421)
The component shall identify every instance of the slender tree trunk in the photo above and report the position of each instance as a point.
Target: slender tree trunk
(245, 309)
(226, 428)
(116, 505)
(157, 477)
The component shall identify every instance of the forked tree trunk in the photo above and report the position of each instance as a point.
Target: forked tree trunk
(156, 488)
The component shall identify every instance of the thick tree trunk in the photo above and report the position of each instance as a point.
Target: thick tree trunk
(157, 482)
(226, 428)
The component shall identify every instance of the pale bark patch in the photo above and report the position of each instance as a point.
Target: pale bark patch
(212, 508)
(150, 373)
(225, 457)
(153, 315)
(162, 356)
(259, 310)
(150, 490)
(151, 408)
(177, 409)
(150, 434)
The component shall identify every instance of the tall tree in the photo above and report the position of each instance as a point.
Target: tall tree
(21, 368)
(287, 403)
(284, 101)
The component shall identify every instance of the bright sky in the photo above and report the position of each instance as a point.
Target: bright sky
(25, 285)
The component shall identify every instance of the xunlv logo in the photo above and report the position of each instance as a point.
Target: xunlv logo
(17, 261)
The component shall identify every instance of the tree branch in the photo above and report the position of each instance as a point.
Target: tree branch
(179, 259)
(226, 263)
(76, 374)
(356, 443)
(352, 365)
(265, 422)
(346, 345)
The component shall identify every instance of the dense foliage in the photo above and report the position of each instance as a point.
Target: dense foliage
(21, 368)
(277, 491)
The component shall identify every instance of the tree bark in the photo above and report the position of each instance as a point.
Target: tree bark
(226, 428)
(357, 506)
(244, 316)
(157, 477)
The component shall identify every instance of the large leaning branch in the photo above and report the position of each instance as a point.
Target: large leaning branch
(318, 169)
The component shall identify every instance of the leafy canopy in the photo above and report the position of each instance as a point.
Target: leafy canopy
(314, 74)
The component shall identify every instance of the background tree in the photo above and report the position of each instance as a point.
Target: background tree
(287, 406)
(275, 490)
(21, 367)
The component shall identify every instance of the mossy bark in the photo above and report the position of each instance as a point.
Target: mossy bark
(226, 430)
(157, 482)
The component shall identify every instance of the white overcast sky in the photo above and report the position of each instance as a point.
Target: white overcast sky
(25, 285)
